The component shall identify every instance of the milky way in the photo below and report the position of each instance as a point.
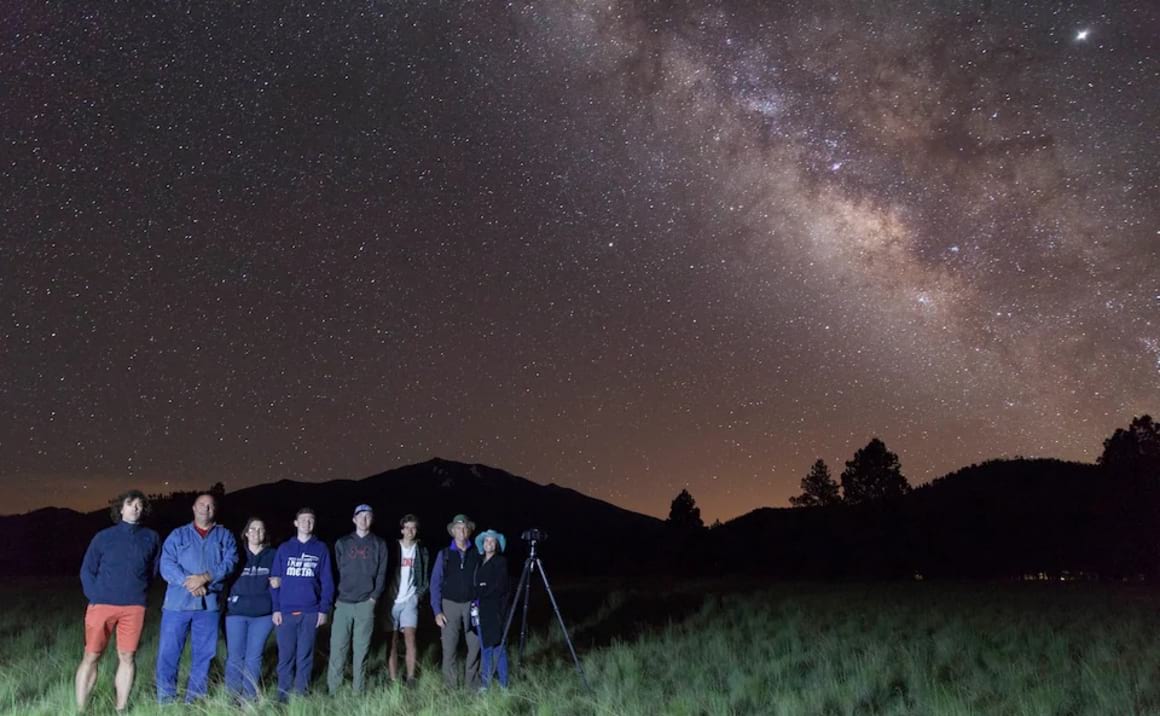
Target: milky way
(626, 247)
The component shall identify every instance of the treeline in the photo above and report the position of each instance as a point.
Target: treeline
(1131, 458)
(1018, 518)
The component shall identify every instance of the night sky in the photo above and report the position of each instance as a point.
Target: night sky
(627, 247)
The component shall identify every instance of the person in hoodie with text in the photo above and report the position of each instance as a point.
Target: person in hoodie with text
(302, 592)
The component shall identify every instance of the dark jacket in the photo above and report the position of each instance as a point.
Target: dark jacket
(307, 583)
(492, 584)
(362, 567)
(119, 564)
(453, 578)
(249, 595)
(420, 570)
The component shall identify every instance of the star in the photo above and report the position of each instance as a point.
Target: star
(583, 242)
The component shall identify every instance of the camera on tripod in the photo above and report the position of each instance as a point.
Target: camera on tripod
(523, 594)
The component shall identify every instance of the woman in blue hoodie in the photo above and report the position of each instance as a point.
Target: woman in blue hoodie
(248, 613)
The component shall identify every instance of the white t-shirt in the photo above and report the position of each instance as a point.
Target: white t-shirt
(406, 584)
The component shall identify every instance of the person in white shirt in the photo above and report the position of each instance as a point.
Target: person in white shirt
(410, 579)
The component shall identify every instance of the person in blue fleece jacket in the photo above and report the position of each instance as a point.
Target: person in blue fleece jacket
(195, 561)
(302, 590)
(118, 566)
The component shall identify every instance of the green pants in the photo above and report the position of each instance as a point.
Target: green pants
(352, 622)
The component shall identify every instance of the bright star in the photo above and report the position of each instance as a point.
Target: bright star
(1082, 35)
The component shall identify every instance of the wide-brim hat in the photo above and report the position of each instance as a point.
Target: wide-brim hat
(490, 533)
(460, 518)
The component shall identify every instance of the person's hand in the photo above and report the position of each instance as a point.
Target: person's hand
(440, 620)
(275, 582)
(194, 581)
(321, 618)
(276, 617)
(199, 592)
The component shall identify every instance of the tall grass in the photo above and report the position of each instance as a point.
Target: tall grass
(706, 649)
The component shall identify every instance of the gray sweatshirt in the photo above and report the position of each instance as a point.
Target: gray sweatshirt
(362, 567)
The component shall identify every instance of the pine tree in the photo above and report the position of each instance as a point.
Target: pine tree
(873, 475)
(684, 512)
(818, 488)
(1134, 452)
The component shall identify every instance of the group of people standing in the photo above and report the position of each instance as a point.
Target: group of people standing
(290, 590)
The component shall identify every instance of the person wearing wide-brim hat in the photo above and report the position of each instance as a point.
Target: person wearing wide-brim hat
(452, 589)
(492, 586)
(461, 519)
(498, 536)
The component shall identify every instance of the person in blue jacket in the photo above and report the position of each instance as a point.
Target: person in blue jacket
(303, 593)
(118, 566)
(249, 611)
(195, 561)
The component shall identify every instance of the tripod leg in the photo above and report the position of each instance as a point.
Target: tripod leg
(507, 625)
(532, 563)
(563, 627)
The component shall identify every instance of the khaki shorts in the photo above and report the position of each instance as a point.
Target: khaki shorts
(405, 615)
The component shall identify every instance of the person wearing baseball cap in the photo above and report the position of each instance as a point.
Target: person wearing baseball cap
(452, 590)
(361, 557)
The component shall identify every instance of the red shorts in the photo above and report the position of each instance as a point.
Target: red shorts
(102, 619)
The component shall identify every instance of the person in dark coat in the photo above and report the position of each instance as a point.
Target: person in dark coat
(492, 586)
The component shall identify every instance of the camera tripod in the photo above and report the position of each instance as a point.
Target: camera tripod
(524, 591)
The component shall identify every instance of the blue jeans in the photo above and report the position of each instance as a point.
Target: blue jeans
(295, 652)
(201, 627)
(499, 655)
(245, 642)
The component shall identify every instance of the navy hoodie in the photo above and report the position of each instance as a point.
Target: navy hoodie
(249, 595)
(307, 582)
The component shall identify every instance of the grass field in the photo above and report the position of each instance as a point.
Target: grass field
(920, 648)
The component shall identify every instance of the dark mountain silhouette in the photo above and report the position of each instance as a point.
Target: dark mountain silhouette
(51, 540)
(586, 535)
(1000, 519)
(1011, 518)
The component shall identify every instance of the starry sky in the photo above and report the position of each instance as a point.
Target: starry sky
(627, 247)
